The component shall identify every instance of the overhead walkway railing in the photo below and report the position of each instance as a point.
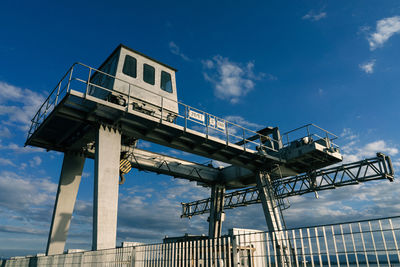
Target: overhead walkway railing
(79, 78)
(310, 131)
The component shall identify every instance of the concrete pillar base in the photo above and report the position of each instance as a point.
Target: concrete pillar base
(106, 178)
(67, 191)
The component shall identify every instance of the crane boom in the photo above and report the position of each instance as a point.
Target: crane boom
(379, 167)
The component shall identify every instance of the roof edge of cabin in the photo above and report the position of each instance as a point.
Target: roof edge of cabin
(134, 51)
(146, 56)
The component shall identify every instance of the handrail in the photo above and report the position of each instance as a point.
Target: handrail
(51, 93)
(179, 102)
(334, 224)
(230, 129)
(310, 124)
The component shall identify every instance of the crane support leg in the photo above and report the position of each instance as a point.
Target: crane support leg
(273, 217)
(216, 211)
(106, 179)
(67, 191)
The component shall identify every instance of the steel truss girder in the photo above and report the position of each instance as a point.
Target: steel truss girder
(379, 167)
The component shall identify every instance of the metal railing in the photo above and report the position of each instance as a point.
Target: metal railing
(311, 131)
(80, 78)
(359, 243)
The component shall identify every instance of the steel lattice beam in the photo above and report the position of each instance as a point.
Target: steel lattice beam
(379, 167)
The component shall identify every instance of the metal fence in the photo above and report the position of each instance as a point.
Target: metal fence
(362, 243)
(119, 257)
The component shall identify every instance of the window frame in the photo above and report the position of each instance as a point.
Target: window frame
(170, 80)
(123, 67)
(154, 73)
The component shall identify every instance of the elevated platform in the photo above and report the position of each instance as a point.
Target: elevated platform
(70, 116)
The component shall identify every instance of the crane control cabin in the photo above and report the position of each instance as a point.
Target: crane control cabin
(138, 80)
(101, 113)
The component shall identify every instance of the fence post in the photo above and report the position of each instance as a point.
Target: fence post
(235, 258)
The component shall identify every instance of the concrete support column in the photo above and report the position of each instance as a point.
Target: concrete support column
(273, 215)
(216, 211)
(106, 177)
(67, 191)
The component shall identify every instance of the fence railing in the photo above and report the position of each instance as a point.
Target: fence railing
(361, 243)
(80, 78)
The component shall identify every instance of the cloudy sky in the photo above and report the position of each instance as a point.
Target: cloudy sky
(257, 63)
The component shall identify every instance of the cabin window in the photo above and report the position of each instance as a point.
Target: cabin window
(129, 66)
(148, 74)
(166, 83)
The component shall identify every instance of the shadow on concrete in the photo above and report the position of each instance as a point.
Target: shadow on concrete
(33, 262)
(60, 233)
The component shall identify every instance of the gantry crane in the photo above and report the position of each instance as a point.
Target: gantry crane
(102, 113)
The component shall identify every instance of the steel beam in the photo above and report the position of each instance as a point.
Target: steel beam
(377, 168)
(273, 217)
(217, 214)
(162, 164)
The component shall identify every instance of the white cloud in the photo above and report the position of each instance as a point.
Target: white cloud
(21, 193)
(142, 208)
(19, 230)
(6, 162)
(354, 151)
(18, 105)
(177, 51)
(313, 16)
(143, 144)
(4, 132)
(35, 161)
(20, 149)
(242, 122)
(379, 146)
(385, 28)
(231, 80)
(368, 67)
(348, 134)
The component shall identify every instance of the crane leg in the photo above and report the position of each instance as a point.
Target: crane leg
(273, 218)
(67, 191)
(216, 211)
(106, 177)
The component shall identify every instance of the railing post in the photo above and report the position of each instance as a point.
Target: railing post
(58, 92)
(186, 115)
(207, 118)
(129, 97)
(162, 109)
(308, 131)
(70, 77)
(88, 81)
(244, 139)
(227, 133)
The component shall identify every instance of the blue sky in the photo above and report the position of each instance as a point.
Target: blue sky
(258, 63)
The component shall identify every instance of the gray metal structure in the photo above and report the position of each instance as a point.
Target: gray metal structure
(379, 167)
(101, 113)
